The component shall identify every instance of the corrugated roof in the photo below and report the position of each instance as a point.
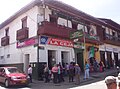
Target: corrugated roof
(55, 4)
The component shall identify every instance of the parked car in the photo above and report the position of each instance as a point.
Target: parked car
(12, 76)
(118, 80)
(119, 76)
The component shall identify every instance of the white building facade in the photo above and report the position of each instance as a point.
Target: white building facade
(22, 53)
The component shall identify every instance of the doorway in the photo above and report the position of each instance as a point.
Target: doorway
(26, 62)
(51, 58)
(65, 57)
(109, 60)
(80, 60)
(116, 59)
(102, 57)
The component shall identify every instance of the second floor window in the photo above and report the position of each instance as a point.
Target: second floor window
(74, 25)
(7, 31)
(53, 19)
(24, 22)
(88, 29)
(119, 35)
(113, 33)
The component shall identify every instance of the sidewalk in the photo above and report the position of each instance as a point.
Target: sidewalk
(95, 76)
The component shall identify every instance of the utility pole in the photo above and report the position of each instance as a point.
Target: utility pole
(84, 41)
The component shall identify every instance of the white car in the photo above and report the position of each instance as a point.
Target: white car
(119, 79)
(119, 76)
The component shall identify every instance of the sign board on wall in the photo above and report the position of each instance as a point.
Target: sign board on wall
(25, 43)
(55, 41)
(76, 34)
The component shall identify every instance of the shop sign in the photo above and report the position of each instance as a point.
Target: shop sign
(58, 42)
(108, 48)
(91, 37)
(76, 34)
(43, 39)
(115, 49)
(54, 41)
(29, 42)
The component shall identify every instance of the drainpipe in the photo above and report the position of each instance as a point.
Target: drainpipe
(37, 64)
(43, 3)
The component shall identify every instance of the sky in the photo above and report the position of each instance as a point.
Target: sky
(109, 9)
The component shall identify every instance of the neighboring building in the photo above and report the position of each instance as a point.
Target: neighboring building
(50, 31)
(110, 36)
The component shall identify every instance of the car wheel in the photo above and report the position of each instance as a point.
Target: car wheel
(6, 83)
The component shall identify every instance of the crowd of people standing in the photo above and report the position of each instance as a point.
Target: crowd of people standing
(72, 70)
(58, 72)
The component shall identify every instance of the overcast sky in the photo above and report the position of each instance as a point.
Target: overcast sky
(109, 9)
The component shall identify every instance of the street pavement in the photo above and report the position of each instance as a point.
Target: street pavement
(94, 78)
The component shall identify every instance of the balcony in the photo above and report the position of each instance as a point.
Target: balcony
(22, 34)
(5, 41)
(52, 29)
(110, 39)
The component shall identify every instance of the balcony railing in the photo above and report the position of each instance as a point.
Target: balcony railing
(52, 29)
(5, 41)
(22, 34)
(112, 39)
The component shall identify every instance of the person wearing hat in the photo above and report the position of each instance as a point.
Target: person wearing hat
(111, 82)
(77, 74)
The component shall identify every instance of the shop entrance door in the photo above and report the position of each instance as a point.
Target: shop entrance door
(51, 58)
(116, 59)
(65, 58)
(26, 62)
(109, 60)
(80, 60)
(102, 57)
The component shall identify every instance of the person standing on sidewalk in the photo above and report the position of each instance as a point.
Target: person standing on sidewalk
(77, 74)
(55, 73)
(71, 72)
(87, 66)
(111, 82)
(46, 73)
(30, 73)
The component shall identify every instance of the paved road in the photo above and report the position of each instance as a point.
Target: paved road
(96, 85)
(66, 85)
(91, 83)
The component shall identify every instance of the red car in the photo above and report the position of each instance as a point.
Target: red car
(12, 76)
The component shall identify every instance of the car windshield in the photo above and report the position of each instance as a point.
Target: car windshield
(13, 70)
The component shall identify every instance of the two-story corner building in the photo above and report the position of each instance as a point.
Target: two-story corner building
(49, 31)
(110, 36)
(66, 23)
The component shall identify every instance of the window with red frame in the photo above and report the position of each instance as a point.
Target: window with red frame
(24, 22)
